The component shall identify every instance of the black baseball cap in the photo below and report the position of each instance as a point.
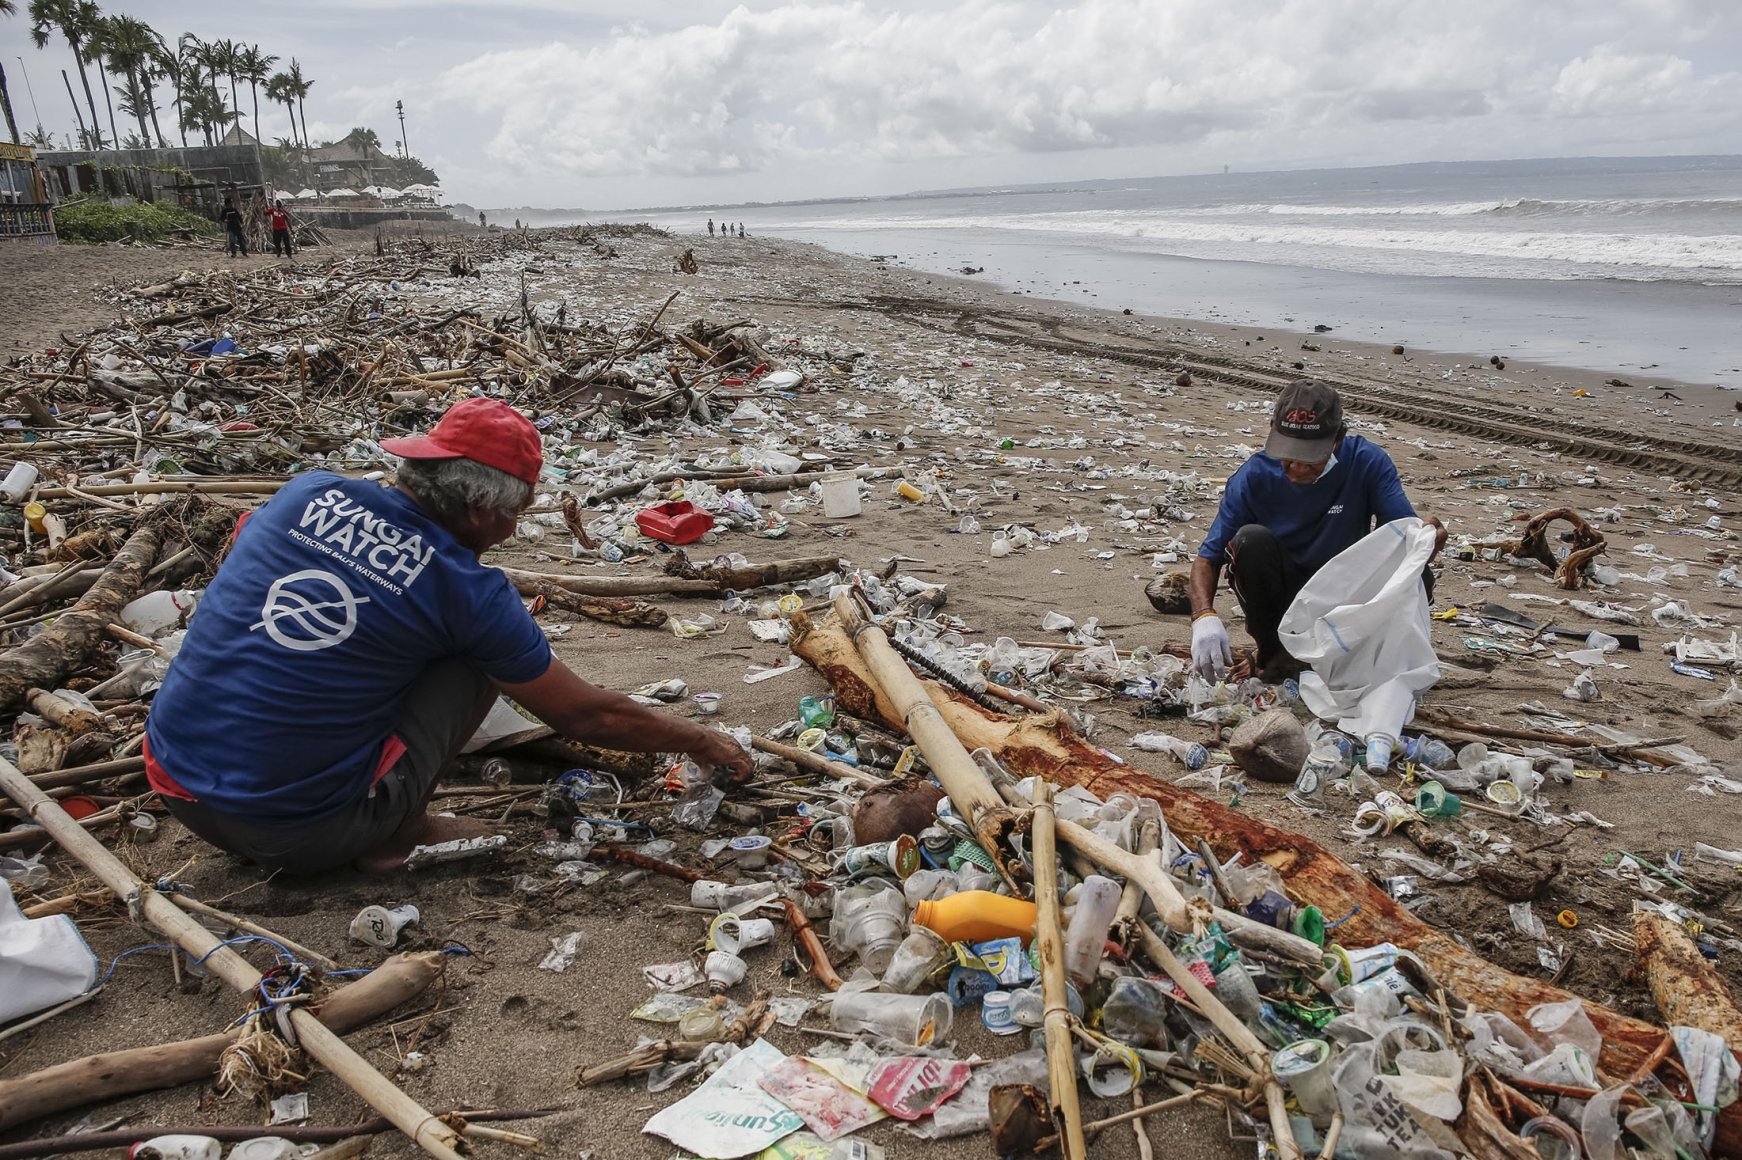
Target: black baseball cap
(1305, 425)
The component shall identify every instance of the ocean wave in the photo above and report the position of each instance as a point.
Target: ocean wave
(1670, 251)
(1504, 207)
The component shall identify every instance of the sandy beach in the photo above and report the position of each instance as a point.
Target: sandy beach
(1020, 411)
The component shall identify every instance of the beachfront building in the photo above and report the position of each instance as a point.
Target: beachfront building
(25, 212)
(345, 165)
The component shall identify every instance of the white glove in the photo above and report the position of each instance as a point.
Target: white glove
(1210, 654)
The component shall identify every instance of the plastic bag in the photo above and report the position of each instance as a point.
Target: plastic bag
(1362, 624)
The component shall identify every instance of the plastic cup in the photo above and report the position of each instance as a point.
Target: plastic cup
(914, 1020)
(920, 954)
(707, 704)
(1304, 1068)
(736, 935)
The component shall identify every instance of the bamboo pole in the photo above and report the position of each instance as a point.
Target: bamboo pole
(165, 487)
(969, 789)
(1171, 904)
(1061, 1064)
(242, 924)
(143, 902)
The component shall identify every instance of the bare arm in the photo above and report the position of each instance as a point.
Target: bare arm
(585, 712)
(1201, 585)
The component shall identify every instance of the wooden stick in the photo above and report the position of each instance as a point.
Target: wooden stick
(1061, 1064)
(814, 763)
(79, 774)
(1144, 1150)
(321, 1044)
(242, 924)
(140, 1069)
(37, 593)
(805, 935)
(167, 487)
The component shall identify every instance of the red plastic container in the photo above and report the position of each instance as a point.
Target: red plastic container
(675, 523)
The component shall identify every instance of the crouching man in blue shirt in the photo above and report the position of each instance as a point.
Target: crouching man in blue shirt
(1312, 492)
(351, 644)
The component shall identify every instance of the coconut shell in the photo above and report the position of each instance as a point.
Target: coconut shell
(889, 811)
(1271, 746)
(1168, 594)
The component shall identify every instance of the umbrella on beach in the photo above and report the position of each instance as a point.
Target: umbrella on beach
(305, 194)
(343, 192)
(387, 192)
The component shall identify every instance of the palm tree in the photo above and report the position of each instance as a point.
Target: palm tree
(300, 85)
(278, 91)
(230, 62)
(204, 110)
(96, 28)
(8, 8)
(254, 67)
(69, 18)
(130, 46)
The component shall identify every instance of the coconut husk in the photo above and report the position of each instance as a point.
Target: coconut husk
(889, 811)
(1271, 746)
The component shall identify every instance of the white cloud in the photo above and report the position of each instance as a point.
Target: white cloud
(808, 87)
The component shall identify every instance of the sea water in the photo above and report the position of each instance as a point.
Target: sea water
(1625, 265)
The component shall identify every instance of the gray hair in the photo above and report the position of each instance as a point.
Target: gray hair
(451, 488)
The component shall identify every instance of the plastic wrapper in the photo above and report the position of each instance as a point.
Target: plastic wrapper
(730, 1115)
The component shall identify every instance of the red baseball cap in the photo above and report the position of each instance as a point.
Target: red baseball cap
(486, 431)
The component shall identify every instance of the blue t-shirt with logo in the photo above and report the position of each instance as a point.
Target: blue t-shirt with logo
(1319, 520)
(337, 596)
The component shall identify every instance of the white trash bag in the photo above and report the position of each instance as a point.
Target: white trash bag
(1362, 623)
(43, 961)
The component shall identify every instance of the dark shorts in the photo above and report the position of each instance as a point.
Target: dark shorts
(440, 715)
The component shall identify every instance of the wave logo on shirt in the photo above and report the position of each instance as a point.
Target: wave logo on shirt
(309, 610)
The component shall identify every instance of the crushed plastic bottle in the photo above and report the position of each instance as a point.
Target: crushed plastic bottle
(1190, 753)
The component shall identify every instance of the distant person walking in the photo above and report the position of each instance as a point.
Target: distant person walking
(740, 229)
(279, 220)
(710, 227)
(482, 224)
(232, 219)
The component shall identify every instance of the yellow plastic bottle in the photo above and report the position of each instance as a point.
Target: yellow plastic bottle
(978, 915)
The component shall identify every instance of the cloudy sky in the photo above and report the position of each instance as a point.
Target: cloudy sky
(627, 103)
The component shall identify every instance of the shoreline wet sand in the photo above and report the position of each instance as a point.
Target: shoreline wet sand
(1104, 413)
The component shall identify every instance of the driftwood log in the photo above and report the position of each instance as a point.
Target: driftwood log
(46, 659)
(141, 1069)
(1686, 987)
(609, 609)
(706, 581)
(1587, 543)
(1046, 746)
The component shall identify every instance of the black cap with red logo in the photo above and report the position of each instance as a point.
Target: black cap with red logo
(1305, 425)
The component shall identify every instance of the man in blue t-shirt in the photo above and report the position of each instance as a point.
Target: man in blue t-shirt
(1313, 491)
(351, 644)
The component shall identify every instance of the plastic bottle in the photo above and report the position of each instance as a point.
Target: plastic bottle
(815, 713)
(1323, 765)
(719, 896)
(979, 915)
(1430, 753)
(496, 772)
(1086, 939)
(1190, 753)
(18, 482)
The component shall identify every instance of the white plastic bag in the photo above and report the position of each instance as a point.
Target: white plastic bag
(43, 961)
(1362, 624)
